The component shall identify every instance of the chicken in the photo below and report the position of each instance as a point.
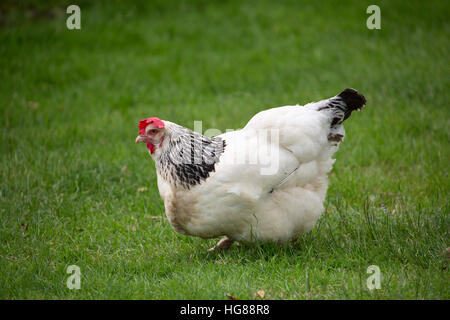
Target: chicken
(265, 182)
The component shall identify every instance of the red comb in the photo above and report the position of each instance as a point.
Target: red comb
(157, 123)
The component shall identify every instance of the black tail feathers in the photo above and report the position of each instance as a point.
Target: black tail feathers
(353, 100)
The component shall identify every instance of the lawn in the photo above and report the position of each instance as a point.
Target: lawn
(76, 190)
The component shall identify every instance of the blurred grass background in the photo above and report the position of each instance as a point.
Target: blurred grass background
(75, 189)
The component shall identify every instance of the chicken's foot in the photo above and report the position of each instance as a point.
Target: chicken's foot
(223, 243)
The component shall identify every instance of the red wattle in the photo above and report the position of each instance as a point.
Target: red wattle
(151, 147)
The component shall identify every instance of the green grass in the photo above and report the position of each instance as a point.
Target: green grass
(71, 177)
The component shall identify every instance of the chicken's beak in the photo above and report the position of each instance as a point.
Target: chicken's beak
(140, 139)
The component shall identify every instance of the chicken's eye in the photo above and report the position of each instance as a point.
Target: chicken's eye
(153, 131)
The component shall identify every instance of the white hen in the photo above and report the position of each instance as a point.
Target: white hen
(265, 182)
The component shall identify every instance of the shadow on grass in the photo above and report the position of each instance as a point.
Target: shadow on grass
(254, 252)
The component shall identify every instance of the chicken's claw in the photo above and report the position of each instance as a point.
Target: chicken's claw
(223, 243)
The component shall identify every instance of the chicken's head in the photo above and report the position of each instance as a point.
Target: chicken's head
(151, 131)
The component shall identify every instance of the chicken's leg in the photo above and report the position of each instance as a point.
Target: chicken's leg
(223, 243)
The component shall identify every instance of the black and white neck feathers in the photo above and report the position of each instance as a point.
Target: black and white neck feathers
(188, 158)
